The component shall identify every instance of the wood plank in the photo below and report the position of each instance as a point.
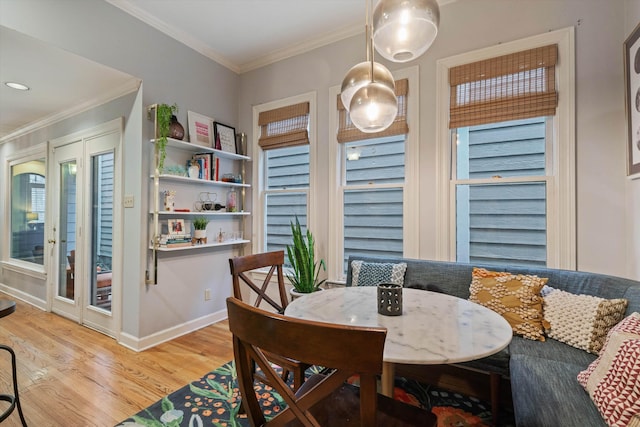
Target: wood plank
(69, 375)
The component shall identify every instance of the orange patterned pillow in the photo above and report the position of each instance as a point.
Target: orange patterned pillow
(516, 297)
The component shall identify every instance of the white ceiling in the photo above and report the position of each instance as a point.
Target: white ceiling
(240, 34)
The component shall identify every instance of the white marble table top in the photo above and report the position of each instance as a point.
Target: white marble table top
(433, 329)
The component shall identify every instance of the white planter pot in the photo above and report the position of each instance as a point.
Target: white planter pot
(295, 294)
(200, 234)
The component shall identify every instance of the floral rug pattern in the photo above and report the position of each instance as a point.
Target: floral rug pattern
(214, 401)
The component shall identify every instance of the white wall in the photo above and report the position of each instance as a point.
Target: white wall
(171, 72)
(602, 234)
(632, 19)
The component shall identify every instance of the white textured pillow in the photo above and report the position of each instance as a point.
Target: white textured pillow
(374, 273)
(582, 321)
(613, 379)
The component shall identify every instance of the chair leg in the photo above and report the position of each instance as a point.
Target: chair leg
(16, 397)
(494, 379)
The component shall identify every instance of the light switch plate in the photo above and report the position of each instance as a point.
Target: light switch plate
(128, 201)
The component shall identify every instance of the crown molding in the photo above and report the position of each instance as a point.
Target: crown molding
(124, 89)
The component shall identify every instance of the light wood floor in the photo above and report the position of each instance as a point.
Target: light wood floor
(72, 376)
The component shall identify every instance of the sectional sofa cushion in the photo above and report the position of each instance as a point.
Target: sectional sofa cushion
(582, 321)
(514, 296)
(373, 273)
(613, 379)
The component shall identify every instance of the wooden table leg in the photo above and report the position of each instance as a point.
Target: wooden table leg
(387, 378)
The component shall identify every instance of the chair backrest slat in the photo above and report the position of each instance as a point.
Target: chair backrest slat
(241, 266)
(349, 350)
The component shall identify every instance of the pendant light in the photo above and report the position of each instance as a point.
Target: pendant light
(404, 29)
(368, 90)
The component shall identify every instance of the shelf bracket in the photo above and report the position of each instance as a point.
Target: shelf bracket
(151, 277)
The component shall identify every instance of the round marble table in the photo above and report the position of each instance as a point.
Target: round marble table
(434, 328)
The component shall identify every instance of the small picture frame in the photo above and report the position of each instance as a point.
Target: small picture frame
(200, 129)
(632, 84)
(176, 227)
(225, 138)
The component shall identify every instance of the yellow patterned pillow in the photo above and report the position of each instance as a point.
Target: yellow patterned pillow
(516, 297)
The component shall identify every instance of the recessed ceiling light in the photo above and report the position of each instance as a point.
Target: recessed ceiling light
(18, 86)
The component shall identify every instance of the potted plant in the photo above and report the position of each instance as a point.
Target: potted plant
(305, 268)
(164, 112)
(200, 227)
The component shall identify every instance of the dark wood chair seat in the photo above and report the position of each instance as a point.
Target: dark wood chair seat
(323, 400)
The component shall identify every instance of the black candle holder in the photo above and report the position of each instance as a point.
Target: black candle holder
(389, 299)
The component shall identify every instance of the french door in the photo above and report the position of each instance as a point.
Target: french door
(85, 218)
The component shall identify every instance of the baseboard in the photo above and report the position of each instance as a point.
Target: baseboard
(144, 343)
(23, 296)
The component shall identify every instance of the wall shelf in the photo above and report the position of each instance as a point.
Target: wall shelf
(198, 213)
(178, 178)
(202, 246)
(195, 148)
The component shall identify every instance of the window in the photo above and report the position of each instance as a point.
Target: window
(510, 181)
(28, 211)
(284, 169)
(376, 205)
(372, 193)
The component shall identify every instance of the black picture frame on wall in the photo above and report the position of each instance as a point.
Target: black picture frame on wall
(225, 138)
(632, 101)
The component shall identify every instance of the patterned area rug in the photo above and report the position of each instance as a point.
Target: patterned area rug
(214, 400)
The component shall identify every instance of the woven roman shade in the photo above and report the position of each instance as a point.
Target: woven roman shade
(348, 132)
(516, 86)
(284, 127)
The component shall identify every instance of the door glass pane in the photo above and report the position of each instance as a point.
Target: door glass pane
(67, 233)
(502, 224)
(102, 171)
(28, 211)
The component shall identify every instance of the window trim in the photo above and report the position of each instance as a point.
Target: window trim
(258, 169)
(561, 198)
(37, 152)
(411, 202)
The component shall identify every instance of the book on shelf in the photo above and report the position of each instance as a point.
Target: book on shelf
(177, 245)
(208, 163)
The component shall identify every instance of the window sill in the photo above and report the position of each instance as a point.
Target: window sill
(27, 268)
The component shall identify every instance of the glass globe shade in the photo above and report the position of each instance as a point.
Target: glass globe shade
(373, 107)
(404, 29)
(360, 75)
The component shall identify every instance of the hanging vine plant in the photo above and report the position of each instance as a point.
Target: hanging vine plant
(163, 113)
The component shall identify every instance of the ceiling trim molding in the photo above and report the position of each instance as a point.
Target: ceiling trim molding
(131, 85)
(174, 33)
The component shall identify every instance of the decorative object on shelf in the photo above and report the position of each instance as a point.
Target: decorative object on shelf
(225, 137)
(176, 227)
(168, 200)
(176, 130)
(194, 169)
(232, 200)
(221, 236)
(389, 299)
(301, 254)
(370, 97)
(404, 29)
(200, 129)
(229, 177)
(206, 202)
(200, 230)
(164, 112)
(175, 170)
(241, 143)
(632, 94)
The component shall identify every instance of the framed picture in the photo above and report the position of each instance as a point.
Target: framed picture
(225, 137)
(632, 81)
(200, 129)
(176, 227)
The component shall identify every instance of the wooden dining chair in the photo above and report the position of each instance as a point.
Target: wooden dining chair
(324, 399)
(240, 268)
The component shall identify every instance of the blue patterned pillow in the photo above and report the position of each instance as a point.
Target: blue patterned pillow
(373, 273)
